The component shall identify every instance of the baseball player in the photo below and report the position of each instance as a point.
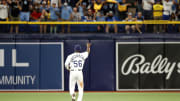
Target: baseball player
(74, 63)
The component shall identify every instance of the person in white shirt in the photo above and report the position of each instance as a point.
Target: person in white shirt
(3, 11)
(147, 8)
(3, 14)
(75, 63)
(148, 13)
(167, 5)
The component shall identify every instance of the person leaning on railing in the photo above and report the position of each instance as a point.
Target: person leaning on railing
(130, 27)
(109, 27)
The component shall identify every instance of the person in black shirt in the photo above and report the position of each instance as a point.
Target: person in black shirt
(109, 6)
(25, 13)
(14, 13)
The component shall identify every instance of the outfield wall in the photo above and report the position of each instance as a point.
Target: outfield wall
(116, 62)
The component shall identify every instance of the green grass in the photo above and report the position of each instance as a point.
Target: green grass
(91, 97)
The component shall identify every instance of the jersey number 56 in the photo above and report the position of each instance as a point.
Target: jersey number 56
(78, 63)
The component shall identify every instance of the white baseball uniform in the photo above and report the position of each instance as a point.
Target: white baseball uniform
(75, 63)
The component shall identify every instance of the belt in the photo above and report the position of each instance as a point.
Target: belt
(76, 70)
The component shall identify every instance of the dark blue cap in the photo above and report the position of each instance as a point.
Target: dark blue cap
(77, 48)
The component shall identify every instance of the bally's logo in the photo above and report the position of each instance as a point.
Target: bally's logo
(14, 59)
(137, 64)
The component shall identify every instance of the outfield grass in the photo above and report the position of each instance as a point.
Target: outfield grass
(91, 97)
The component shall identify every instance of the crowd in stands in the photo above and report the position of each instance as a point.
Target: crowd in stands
(92, 10)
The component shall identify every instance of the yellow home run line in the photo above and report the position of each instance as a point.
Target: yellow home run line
(92, 22)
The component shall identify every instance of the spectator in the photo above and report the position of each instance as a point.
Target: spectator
(148, 13)
(75, 16)
(147, 7)
(139, 17)
(36, 14)
(100, 17)
(44, 17)
(3, 14)
(90, 5)
(178, 15)
(132, 7)
(25, 12)
(90, 16)
(14, 13)
(110, 5)
(66, 12)
(172, 27)
(157, 14)
(57, 2)
(167, 5)
(82, 7)
(122, 8)
(110, 17)
(98, 5)
(3, 11)
(130, 27)
(53, 17)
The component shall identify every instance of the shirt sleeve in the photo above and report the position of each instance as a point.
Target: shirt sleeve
(67, 62)
(85, 55)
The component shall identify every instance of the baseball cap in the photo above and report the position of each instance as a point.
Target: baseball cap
(44, 2)
(65, 4)
(110, 12)
(77, 48)
(129, 13)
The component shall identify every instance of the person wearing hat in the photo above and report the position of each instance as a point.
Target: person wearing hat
(109, 27)
(66, 13)
(54, 17)
(75, 63)
(130, 26)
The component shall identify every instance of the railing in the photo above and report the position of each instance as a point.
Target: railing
(92, 22)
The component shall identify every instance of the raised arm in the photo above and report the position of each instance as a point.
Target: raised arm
(79, 3)
(88, 47)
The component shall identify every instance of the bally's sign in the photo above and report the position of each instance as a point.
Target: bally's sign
(147, 65)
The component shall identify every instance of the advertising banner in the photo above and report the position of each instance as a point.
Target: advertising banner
(31, 66)
(147, 65)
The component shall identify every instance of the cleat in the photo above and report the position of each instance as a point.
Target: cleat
(74, 97)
